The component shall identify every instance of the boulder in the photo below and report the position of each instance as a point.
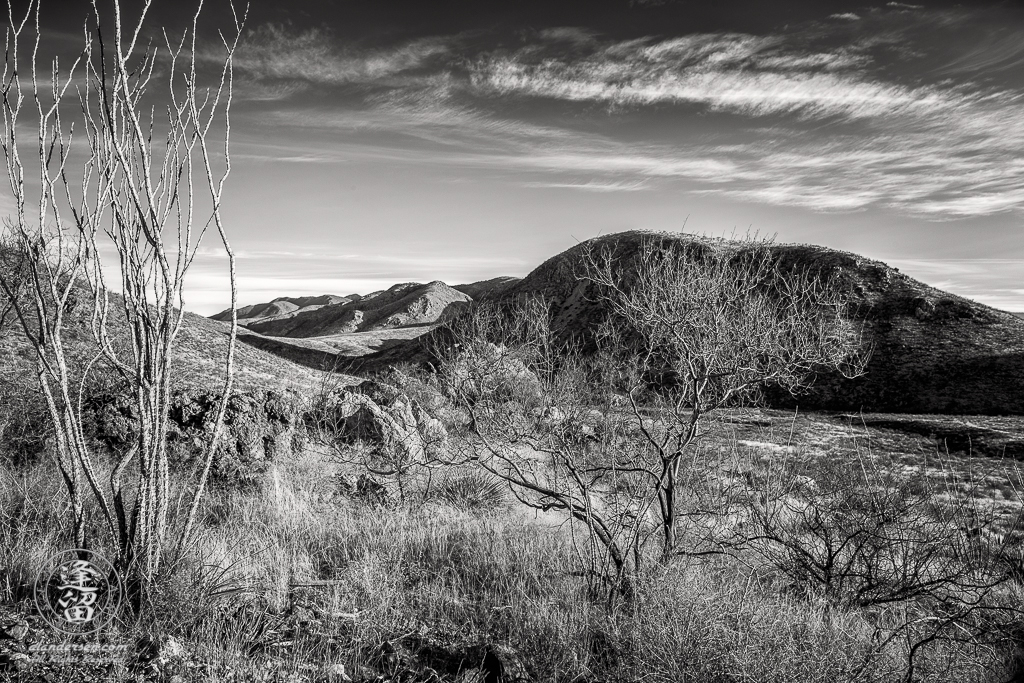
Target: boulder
(382, 416)
(259, 427)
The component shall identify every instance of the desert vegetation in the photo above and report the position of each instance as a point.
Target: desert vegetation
(500, 514)
(534, 502)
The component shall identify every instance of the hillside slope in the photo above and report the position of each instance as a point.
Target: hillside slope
(933, 352)
(281, 307)
(402, 305)
(486, 289)
(200, 350)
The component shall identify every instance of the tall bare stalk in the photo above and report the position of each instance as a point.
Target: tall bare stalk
(134, 184)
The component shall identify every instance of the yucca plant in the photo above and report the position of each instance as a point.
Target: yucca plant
(472, 490)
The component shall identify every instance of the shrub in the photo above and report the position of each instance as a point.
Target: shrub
(472, 490)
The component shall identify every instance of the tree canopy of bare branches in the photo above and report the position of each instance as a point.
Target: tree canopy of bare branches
(696, 325)
(609, 438)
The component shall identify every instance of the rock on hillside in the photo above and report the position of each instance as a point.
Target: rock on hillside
(487, 289)
(381, 416)
(259, 428)
(402, 305)
(933, 352)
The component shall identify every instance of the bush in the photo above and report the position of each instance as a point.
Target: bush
(486, 371)
(865, 536)
(24, 423)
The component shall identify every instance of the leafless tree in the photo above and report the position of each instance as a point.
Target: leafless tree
(535, 423)
(119, 175)
(918, 550)
(695, 324)
(12, 265)
(609, 438)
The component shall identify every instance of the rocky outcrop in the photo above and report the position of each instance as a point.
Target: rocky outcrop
(381, 416)
(259, 428)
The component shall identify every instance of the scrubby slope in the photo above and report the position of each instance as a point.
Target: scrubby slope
(200, 351)
(487, 289)
(933, 352)
(402, 305)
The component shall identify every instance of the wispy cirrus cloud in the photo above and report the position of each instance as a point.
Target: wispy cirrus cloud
(275, 63)
(812, 117)
(591, 185)
(750, 75)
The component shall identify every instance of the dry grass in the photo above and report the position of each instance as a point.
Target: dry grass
(298, 582)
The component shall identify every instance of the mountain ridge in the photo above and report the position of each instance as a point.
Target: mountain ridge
(933, 351)
(402, 305)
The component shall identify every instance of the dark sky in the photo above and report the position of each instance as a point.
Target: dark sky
(379, 141)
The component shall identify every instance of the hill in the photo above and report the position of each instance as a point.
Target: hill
(403, 305)
(264, 414)
(281, 307)
(487, 289)
(200, 350)
(933, 352)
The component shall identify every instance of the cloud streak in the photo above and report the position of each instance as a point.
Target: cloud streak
(591, 186)
(749, 75)
(811, 118)
(275, 63)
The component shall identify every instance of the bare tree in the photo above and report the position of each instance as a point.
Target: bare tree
(695, 324)
(138, 181)
(12, 265)
(609, 438)
(918, 550)
(534, 423)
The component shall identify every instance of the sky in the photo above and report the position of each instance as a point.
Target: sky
(384, 141)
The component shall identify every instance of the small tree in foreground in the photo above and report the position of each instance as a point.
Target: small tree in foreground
(138, 168)
(915, 550)
(533, 424)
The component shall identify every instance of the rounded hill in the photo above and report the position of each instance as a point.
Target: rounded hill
(931, 351)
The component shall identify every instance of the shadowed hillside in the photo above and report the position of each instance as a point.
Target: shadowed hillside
(488, 289)
(932, 351)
